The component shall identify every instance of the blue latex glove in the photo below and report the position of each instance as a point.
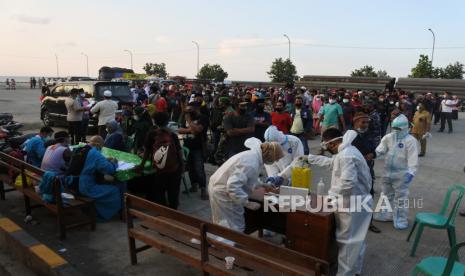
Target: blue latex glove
(408, 178)
(275, 180)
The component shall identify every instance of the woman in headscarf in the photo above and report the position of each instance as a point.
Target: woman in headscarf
(142, 124)
(231, 185)
(114, 139)
(316, 105)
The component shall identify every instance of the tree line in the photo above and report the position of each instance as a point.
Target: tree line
(283, 70)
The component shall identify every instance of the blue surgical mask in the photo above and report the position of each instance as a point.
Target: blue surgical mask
(401, 134)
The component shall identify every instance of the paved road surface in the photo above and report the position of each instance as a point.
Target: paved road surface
(105, 252)
(24, 104)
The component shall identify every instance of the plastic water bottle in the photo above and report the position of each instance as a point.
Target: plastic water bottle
(320, 188)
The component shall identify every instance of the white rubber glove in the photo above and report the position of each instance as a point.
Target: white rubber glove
(427, 136)
(252, 205)
(312, 159)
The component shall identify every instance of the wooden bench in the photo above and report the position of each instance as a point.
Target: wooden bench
(195, 241)
(60, 209)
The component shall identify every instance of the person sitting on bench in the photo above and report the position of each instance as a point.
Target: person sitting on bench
(57, 156)
(107, 196)
(35, 147)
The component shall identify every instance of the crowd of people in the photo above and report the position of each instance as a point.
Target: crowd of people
(10, 83)
(244, 130)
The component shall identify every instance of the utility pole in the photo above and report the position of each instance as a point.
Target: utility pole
(87, 63)
(58, 69)
(434, 42)
(288, 39)
(198, 56)
(130, 53)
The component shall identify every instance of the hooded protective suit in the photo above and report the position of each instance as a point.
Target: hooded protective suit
(230, 186)
(292, 148)
(350, 177)
(401, 164)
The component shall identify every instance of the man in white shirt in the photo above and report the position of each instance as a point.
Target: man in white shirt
(106, 110)
(446, 112)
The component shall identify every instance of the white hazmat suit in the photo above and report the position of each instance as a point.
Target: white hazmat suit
(401, 164)
(350, 177)
(231, 185)
(292, 148)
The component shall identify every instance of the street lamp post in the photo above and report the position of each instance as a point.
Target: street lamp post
(288, 39)
(434, 42)
(87, 63)
(130, 53)
(58, 70)
(198, 55)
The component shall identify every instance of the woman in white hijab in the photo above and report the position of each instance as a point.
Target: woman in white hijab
(233, 182)
(292, 148)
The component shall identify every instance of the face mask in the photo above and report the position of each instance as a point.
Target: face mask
(400, 134)
(242, 111)
(362, 130)
(268, 162)
(332, 101)
(136, 117)
(345, 100)
(48, 138)
(381, 100)
(279, 109)
(397, 104)
(391, 102)
(298, 104)
(324, 145)
(83, 95)
(260, 108)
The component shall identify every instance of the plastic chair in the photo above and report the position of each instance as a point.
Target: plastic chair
(442, 266)
(439, 220)
(185, 153)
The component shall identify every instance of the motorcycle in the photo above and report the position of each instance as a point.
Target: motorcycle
(7, 124)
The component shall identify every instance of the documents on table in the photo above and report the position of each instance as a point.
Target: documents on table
(123, 166)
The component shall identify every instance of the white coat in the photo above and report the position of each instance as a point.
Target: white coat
(231, 185)
(401, 152)
(292, 148)
(350, 177)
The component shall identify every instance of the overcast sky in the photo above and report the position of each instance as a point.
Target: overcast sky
(243, 36)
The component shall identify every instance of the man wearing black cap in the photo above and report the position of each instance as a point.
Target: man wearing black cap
(238, 126)
(262, 119)
(195, 131)
(200, 103)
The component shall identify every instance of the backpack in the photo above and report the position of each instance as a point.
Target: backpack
(78, 159)
(165, 157)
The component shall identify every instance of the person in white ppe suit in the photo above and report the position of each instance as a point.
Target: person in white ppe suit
(292, 147)
(401, 164)
(232, 184)
(350, 177)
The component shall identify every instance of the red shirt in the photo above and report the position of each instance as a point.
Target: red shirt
(161, 105)
(282, 121)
